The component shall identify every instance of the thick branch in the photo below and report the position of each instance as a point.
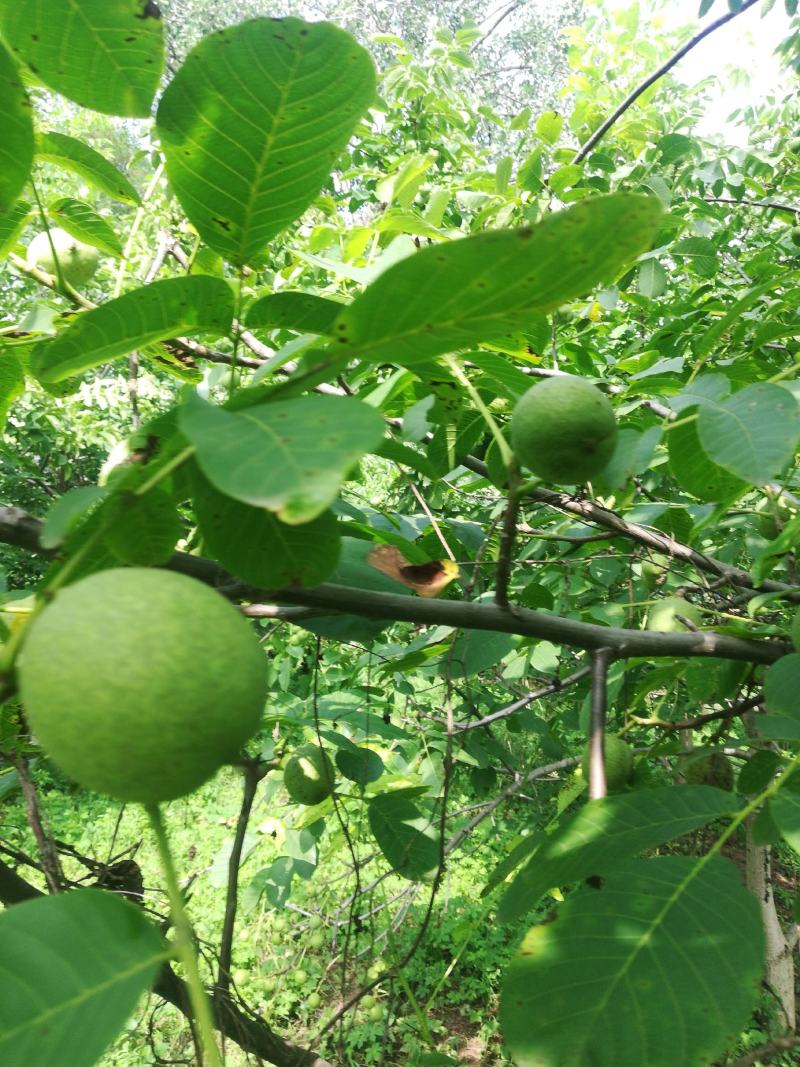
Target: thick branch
(634, 95)
(18, 528)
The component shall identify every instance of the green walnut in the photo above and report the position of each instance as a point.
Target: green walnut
(714, 768)
(663, 615)
(563, 429)
(617, 760)
(795, 235)
(309, 776)
(141, 683)
(78, 261)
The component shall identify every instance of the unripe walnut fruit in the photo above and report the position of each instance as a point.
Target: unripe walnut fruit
(141, 683)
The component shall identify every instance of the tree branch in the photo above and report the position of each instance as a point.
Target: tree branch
(752, 203)
(601, 660)
(653, 539)
(634, 95)
(18, 528)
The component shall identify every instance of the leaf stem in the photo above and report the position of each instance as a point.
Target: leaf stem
(184, 941)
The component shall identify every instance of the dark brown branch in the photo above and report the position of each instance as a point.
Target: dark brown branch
(753, 203)
(48, 853)
(634, 95)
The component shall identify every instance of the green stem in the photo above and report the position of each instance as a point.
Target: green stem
(184, 942)
(505, 451)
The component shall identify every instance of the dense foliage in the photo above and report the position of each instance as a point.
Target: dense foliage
(525, 789)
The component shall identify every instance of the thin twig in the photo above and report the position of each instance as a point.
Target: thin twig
(555, 687)
(253, 773)
(634, 95)
(47, 850)
(771, 204)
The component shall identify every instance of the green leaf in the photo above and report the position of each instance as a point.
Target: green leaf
(104, 56)
(474, 651)
(81, 222)
(16, 142)
(289, 456)
(405, 835)
(782, 686)
(353, 570)
(157, 311)
(659, 967)
(549, 126)
(63, 514)
(652, 279)
(12, 223)
(785, 810)
(142, 530)
(694, 471)
(699, 254)
(450, 296)
(359, 765)
(12, 381)
(302, 312)
(73, 967)
(253, 123)
(255, 546)
(602, 833)
(75, 156)
(754, 433)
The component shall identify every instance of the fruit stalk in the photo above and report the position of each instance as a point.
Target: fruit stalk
(184, 942)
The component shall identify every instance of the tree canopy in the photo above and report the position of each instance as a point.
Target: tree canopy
(440, 344)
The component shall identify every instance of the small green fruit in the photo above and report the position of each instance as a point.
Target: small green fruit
(315, 923)
(300, 977)
(376, 1013)
(712, 769)
(662, 615)
(141, 683)
(564, 430)
(240, 976)
(309, 776)
(313, 1001)
(795, 235)
(78, 261)
(618, 762)
(317, 940)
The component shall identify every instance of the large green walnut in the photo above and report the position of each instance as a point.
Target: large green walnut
(309, 776)
(563, 429)
(78, 261)
(141, 683)
(617, 760)
(663, 615)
